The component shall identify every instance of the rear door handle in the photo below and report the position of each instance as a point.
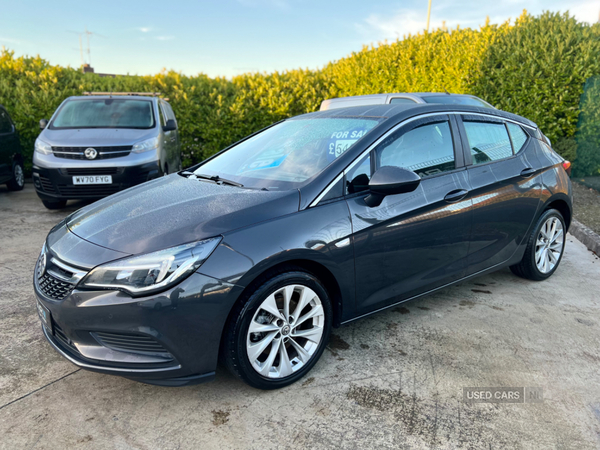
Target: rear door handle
(527, 172)
(456, 195)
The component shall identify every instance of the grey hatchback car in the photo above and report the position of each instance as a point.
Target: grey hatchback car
(96, 145)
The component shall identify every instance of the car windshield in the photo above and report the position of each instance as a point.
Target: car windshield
(105, 113)
(456, 100)
(288, 154)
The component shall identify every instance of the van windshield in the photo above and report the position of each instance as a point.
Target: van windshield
(288, 154)
(105, 113)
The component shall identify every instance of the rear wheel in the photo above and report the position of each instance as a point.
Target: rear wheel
(545, 248)
(54, 204)
(17, 182)
(275, 337)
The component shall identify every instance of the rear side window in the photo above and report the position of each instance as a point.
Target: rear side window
(402, 100)
(5, 123)
(488, 141)
(426, 150)
(517, 136)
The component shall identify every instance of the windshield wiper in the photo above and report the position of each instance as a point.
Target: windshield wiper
(216, 178)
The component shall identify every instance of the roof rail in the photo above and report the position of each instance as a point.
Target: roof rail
(110, 94)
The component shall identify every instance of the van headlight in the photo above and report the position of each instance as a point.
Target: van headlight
(152, 272)
(42, 147)
(145, 146)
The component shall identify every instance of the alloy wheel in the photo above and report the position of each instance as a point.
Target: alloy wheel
(286, 331)
(549, 245)
(19, 176)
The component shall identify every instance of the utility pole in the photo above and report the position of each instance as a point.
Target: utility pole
(428, 15)
(88, 47)
(81, 50)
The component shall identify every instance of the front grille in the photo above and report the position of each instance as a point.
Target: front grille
(46, 184)
(91, 171)
(54, 288)
(60, 335)
(88, 190)
(115, 151)
(130, 342)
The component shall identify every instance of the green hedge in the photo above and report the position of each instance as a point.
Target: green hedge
(536, 67)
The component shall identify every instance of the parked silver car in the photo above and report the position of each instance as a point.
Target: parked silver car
(96, 145)
(408, 98)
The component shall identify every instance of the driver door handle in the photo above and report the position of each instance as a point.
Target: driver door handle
(456, 195)
(527, 172)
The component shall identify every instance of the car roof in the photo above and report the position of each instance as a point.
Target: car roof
(398, 112)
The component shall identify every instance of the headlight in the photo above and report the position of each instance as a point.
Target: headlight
(42, 147)
(141, 275)
(144, 146)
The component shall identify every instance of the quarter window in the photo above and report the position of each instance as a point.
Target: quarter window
(426, 150)
(357, 178)
(488, 141)
(517, 136)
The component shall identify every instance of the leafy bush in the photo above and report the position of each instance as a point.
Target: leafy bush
(536, 68)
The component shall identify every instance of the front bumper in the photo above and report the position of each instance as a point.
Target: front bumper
(176, 334)
(57, 183)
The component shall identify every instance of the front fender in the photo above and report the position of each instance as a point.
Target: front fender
(321, 235)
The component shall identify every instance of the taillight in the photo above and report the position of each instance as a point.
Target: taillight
(567, 167)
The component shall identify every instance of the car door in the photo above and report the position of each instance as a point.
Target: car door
(8, 146)
(505, 191)
(416, 241)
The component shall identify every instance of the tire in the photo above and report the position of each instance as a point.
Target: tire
(549, 244)
(54, 204)
(17, 182)
(294, 356)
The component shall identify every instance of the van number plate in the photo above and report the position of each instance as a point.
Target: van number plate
(92, 179)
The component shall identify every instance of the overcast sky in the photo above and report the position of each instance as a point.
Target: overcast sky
(229, 37)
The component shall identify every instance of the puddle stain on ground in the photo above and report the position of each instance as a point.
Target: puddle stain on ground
(481, 291)
(436, 422)
(220, 417)
(337, 343)
(401, 310)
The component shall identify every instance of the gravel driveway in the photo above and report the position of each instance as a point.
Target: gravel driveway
(393, 380)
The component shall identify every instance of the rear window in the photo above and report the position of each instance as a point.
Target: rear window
(455, 100)
(105, 113)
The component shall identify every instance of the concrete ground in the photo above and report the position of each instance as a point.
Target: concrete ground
(393, 380)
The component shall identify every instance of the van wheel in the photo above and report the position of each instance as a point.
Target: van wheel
(54, 204)
(545, 248)
(18, 179)
(278, 334)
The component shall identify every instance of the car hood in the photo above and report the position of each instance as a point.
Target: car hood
(100, 137)
(174, 210)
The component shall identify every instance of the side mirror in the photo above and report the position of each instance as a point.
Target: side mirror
(43, 123)
(390, 180)
(170, 125)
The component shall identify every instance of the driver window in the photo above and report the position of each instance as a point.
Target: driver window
(426, 150)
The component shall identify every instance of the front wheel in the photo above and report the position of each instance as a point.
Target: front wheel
(278, 334)
(17, 181)
(545, 248)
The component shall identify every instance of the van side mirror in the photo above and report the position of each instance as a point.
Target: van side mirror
(390, 180)
(43, 123)
(170, 125)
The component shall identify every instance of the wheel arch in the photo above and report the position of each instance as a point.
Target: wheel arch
(562, 203)
(322, 273)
